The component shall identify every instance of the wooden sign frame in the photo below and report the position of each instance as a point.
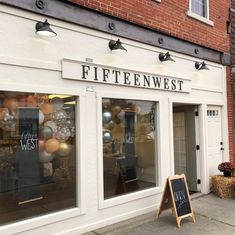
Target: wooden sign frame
(168, 200)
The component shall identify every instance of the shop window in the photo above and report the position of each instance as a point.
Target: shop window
(37, 154)
(129, 146)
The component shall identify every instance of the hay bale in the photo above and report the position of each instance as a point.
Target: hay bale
(223, 186)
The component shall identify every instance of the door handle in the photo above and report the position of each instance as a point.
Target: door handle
(221, 148)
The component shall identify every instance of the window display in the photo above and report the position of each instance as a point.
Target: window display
(129, 139)
(37, 154)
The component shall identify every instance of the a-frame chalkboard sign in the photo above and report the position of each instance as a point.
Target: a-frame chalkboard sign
(176, 197)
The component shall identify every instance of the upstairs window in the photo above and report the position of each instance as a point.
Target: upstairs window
(199, 10)
(199, 7)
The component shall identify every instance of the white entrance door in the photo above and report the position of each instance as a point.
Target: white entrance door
(214, 139)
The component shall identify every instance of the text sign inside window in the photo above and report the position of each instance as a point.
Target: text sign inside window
(83, 71)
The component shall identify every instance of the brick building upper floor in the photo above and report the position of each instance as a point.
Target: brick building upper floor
(203, 22)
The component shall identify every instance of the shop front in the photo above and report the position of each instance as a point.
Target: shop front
(88, 136)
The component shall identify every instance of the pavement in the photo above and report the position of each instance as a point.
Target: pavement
(214, 216)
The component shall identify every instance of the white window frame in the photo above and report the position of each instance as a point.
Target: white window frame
(121, 199)
(79, 209)
(203, 19)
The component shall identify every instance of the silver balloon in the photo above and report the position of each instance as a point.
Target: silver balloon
(52, 125)
(107, 136)
(46, 132)
(107, 116)
(45, 157)
(62, 133)
(57, 103)
(8, 122)
(59, 116)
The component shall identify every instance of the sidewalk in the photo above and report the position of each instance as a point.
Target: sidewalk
(214, 216)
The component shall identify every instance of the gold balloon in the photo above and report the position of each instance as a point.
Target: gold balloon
(116, 109)
(11, 103)
(46, 108)
(64, 149)
(109, 125)
(52, 145)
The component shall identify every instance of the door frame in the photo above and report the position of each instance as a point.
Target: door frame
(202, 133)
(191, 153)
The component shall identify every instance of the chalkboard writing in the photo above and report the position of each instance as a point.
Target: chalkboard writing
(176, 197)
(180, 196)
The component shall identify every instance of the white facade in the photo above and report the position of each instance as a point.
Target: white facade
(30, 63)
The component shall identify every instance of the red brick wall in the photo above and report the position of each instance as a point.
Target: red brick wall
(170, 16)
(231, 108)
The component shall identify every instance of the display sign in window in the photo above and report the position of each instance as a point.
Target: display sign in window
(37, 154)
(129, 140)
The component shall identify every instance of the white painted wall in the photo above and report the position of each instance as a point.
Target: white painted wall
(29, 63)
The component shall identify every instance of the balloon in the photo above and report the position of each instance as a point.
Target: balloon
(41, 144)
(46, 108)
(109, 125)
(106, 103)
(121, 115)
(46, 132)
(116, 120)
(8, 119)
(59, 116)
(64, 149)
(116, 109)
(107, 116)
(52, 125)
(31, 101)
(10, 103)
(45, 157)
(107, 136)
(62, 133)
(41, 117)
(57, 103)
(52, 145)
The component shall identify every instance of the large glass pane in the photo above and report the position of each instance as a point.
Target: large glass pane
(37, 154)
(129, 137)
(199, 7)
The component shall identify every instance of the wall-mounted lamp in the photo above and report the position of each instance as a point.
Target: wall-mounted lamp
(201, 66)
(43, 29)
(165, 57)
(116, 45)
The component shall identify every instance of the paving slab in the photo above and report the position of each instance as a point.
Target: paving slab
(214, 216)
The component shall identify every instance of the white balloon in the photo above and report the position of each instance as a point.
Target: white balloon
(41, 117)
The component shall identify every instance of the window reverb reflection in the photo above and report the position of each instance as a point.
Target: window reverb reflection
(37, 154)
(129, 140)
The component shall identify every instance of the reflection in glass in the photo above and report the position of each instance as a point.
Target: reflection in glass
(129, 138)
(37, 154)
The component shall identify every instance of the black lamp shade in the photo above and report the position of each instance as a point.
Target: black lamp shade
(165, 57)
(43, 29)
(201, 66)
(116, 45)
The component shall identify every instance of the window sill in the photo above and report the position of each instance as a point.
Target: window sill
(200, 18)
